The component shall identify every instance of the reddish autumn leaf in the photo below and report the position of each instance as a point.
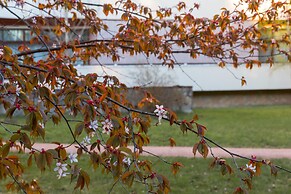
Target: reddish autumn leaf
(243, 81)
(183, 127)
(239, 190)
(274, 170)
(45, 81)
(176, 167)
(248, 182)
(172, 142)
(195, 148)
(200, 129)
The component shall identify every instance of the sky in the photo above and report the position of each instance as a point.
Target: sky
(208, 8)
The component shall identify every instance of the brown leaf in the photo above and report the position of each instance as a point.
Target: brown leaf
(78, 129)
(195, 147)
(49, 158)
(239, 190)
(10, 111)
(173, 117)
(63, 153)
(127, 178)
(25, 140)
(229, 169)
(41, 161)
(205, 151)
(80, 182)
(86, 178)
(29, 161)
(172, 142)
(223, 169)
(183, 127)
(274, 170)
(248, 182)
(5, 150)
(176, 167)
(201, 129)
(195, 117)
(243, 81)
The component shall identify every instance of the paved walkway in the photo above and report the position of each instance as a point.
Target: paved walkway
(266, 153)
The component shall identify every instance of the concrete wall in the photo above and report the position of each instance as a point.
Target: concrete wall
(183, 99)
(241, 98)
(176, 98)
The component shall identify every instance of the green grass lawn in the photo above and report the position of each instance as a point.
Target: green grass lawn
(268, 126)
(194, 177)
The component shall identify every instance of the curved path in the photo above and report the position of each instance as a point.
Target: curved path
(265, 153)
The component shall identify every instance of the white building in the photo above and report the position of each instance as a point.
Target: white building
(202, 73)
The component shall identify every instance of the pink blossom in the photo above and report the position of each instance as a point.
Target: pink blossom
(161, 112)
(107, 126)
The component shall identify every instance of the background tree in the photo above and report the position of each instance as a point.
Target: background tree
(101, 109)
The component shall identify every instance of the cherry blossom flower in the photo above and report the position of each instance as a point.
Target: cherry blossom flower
(1, 79)
(251, 167)
(17, 90)
(54, 45)
(41, 124)
(92, 134)
(61, 168)
(63, 29)
(136, 120)
(160, 112)
(73, 157)
(93, 125)
(33, 20)
(19, 3)
(126, 130)
(149, 100)
(107, 126)
(159, 109)
(1, 52)
(126, 161)
(273, 41)
(86, 141)
(71, 112)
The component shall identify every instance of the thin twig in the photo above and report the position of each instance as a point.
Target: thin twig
(15, 180)
(159, 157)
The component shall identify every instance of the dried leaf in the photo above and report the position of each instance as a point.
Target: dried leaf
(172, 142)
(183, 127)
(41, 161)
(25, 140)
(248, 182)
(5, 150)
(274, 170)
(78, 129)
(195, 147)
(176, 167)
(243, 81)
(201, 129)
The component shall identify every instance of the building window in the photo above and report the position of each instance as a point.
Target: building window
(274, 38)
(15, 37)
